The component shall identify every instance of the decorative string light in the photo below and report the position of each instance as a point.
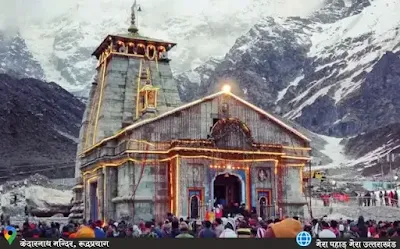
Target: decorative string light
(229, 167)
(177, 186)
(151, 162)
(208, 142)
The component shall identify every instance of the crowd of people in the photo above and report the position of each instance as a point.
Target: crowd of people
(386, 198)
(238, 227)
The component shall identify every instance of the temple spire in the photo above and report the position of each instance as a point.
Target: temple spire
(133, 29)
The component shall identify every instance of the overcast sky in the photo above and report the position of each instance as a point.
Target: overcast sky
(15, 13)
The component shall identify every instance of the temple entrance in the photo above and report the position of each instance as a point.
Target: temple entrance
(194, 207)
(93, 202)
(227, 190)
(263, 207)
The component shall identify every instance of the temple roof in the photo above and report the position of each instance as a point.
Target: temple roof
(132, 38)
(196, 102)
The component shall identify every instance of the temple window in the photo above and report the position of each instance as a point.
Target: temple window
(143, 101)
(151, 52)
(162, 53)
(120, 47)
(151, 98)
(141, 49)
(131, 48)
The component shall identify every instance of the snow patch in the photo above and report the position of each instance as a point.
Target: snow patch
(75, 139)
(294, 83)
(369, 159)
(335, 151)
(38, 195)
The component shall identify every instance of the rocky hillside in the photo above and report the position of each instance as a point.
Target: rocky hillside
(39, 123)
(379, 148)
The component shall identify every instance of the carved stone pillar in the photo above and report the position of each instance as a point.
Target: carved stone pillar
(110, 192)
(100, 195)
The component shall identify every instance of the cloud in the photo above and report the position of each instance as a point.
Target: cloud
(16, 14)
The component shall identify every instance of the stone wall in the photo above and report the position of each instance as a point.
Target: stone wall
(193, 175)
(263, 180)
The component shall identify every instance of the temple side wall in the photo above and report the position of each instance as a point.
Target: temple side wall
(263, 182)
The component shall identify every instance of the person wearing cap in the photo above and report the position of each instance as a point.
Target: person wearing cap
(287, 228)
(229, 231)
(184, 231)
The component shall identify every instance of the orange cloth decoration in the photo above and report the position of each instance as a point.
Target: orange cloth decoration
(85, 233)
(288, 228)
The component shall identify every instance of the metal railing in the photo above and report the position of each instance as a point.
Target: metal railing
(357, 201)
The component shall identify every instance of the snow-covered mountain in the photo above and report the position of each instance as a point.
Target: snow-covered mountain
(332, 67)
(16, 59)
(335, 72)
(63, 41)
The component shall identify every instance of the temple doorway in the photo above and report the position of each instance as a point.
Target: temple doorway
(227, 190)
(194, 207)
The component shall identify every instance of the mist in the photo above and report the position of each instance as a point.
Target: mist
(17, 14)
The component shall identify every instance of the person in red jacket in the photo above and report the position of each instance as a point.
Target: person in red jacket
(391, 195)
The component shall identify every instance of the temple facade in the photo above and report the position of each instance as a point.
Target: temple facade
(142, 153)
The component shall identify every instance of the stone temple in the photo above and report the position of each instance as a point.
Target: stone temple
(142, 153)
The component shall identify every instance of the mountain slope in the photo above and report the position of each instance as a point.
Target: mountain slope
(311, 72)
(39, 123)
(335, 73)
(16, 59)
(63, 41)
(374, 150)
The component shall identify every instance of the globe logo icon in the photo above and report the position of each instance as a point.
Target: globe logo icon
(303, 239)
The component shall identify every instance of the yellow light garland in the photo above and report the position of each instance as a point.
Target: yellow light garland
(171, 191)
(248, 191)
(177, 186)
(150, 161)
(138, 89)
(206, 150)
(225, 167)
(295, 165)
(103, 78)
(297, 158)
(129, 55)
